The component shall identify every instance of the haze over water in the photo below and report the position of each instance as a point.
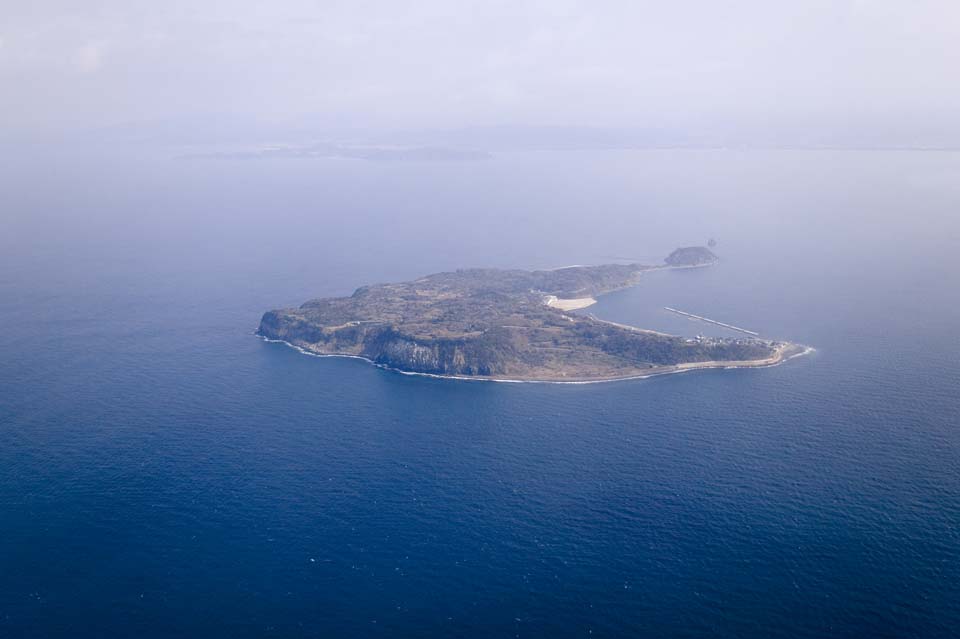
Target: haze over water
(165, 473)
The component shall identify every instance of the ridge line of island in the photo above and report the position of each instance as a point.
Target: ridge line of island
(511, 326)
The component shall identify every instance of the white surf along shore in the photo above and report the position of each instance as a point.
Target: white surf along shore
(786, 352)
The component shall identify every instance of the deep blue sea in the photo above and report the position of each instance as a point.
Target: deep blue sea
(164, 473)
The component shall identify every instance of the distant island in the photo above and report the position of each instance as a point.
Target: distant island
(510, 325)
(691, 256)
(327, 150)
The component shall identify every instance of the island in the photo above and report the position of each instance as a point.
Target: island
(512, 325)
(691, 256)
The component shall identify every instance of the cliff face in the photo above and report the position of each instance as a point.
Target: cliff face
(492, 323)
(487, 354)
(481, 356)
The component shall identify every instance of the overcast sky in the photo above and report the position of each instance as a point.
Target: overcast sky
(441, 63)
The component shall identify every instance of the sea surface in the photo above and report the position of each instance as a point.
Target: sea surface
(165, 473)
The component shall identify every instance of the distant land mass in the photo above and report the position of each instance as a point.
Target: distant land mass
(375, 153)
(691, 256)
(510, 325)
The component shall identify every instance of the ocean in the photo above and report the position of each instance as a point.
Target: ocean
(165, 473)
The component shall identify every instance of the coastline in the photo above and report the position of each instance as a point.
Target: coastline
(783, 350)
(782, 356)
(577, 303)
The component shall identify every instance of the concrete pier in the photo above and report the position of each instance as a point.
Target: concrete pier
(710, 321)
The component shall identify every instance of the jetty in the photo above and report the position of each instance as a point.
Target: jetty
(710, 321)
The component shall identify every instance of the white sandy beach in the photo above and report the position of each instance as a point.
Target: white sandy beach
(569, 304)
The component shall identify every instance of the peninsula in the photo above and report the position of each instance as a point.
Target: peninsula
(509, 325)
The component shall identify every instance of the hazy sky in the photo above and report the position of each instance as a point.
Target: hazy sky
(438, 63)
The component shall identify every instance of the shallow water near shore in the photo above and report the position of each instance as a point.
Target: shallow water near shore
(165, 473)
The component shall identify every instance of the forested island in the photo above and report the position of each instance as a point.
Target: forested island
(509, 324)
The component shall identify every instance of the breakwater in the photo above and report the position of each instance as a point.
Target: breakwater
(710, 321)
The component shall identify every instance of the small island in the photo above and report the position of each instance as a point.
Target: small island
(510, 325)
(688, 256)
